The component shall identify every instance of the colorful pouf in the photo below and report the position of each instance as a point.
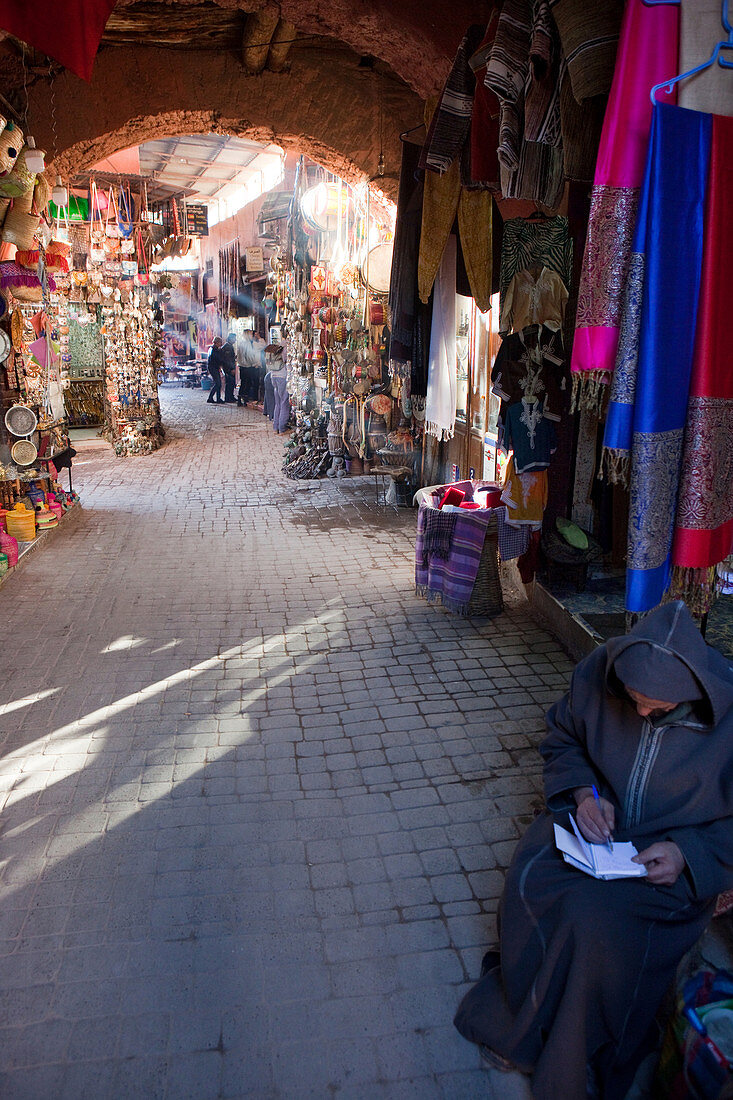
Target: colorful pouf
(21, 523)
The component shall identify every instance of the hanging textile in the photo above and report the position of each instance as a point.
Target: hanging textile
(589, 34)
(440, 408)
(524, 243)
(647, 54)
(646, 417)
(68, 30)
(484, 139)
(525, 72)
(443, 197)
(403, 277)
(450, 125)
(704, 521)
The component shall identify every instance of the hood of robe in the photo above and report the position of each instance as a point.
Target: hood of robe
(665, 657)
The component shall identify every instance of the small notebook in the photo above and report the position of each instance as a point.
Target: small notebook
(595, 859)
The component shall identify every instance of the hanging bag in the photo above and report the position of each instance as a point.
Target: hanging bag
(125, 220)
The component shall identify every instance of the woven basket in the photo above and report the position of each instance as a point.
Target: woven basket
(394, 458)
(486, 598)
(20, 225)
(21, 524)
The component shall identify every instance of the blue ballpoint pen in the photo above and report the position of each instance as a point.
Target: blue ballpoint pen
(609, 842)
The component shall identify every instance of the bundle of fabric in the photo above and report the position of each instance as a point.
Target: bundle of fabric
(647, 54)
(672, 391)
(451, 579)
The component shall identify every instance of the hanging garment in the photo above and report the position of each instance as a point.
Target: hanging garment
(646, 416)
(524, 72)
(525, 243)
(484, 137)
(534, 298)
(704, 521)
(440, 408)
(647, 53)
(530, 364)
(443, 197)
(589, 35)
(451, 122)
(403, 276)
(525, 496)
(530, 435)
(513, 541)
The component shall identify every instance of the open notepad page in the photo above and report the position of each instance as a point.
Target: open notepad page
(595, 859)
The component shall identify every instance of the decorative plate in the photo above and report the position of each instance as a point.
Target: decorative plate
(20, 420)
(4, 345)
(24, 453)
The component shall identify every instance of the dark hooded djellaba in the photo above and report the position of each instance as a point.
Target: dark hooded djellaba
(584, 964)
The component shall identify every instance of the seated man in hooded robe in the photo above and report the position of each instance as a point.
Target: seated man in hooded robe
(584, 964)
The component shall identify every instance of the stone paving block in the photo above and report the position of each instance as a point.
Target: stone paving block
(331, 804)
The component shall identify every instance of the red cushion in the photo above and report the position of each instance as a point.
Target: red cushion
(452, 496)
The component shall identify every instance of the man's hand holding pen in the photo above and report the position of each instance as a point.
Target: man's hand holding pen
(596, 816)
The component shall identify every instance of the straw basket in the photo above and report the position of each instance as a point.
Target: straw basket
(21, 523)
(486, 598)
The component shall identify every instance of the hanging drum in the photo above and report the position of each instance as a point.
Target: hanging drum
(377, 268)
(319, 205)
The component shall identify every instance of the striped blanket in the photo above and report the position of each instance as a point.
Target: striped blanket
(451, 580)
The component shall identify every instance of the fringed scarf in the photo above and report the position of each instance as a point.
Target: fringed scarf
(649, 396)
(704, 521)
(647, 54)
(440, 408)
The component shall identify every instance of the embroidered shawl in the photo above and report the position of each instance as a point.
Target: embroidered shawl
(646, 417)
(647, 54)
(704, 521)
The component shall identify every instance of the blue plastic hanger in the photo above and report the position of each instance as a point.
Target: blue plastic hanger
(724, 44)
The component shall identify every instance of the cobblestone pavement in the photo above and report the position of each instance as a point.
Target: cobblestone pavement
(257, 796)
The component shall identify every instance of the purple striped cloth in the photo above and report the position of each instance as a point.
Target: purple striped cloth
(451, 579)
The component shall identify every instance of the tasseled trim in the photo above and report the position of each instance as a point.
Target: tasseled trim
(12, 275)
(455, 606)
(697, 587)
(440, 433)
(616, 466)
(590, 392)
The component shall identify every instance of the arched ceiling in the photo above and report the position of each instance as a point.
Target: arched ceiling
(339, 80)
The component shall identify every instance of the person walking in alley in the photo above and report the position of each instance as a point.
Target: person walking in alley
(248, 356)
(229, 366)
(213, 363)
(278, 372)
(641, 750)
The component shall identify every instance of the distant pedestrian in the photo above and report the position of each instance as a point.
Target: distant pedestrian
(278, 373)
(213, 363)
(248, 357)
(229, 366)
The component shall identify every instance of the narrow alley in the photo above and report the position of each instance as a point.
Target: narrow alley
(257, 796)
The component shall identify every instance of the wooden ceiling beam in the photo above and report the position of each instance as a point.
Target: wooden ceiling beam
(258, 31)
